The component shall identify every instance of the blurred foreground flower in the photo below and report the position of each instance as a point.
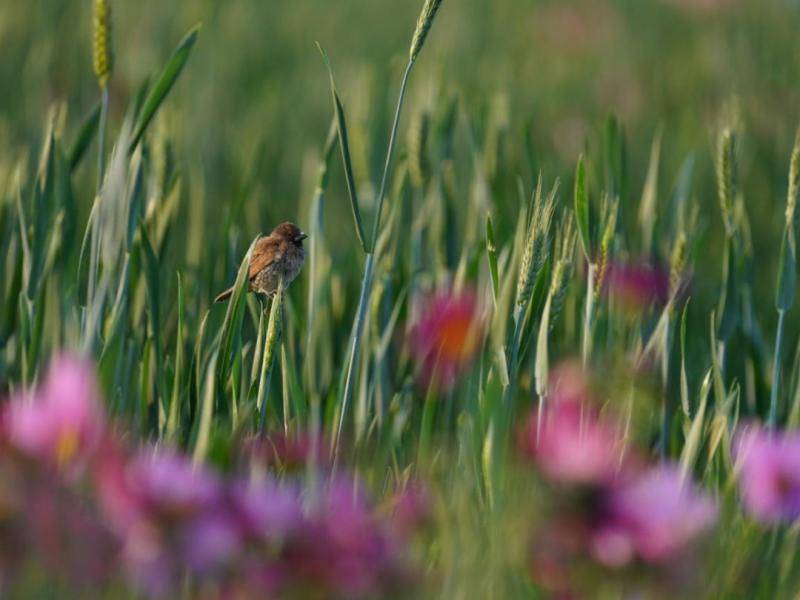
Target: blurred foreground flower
(446, 337)
(636, 286)
(571, 445)
(610, 512)
(566, 437)
(655, 517)
(327, 545)
(769, 478)
(162, 505)
(62, 421)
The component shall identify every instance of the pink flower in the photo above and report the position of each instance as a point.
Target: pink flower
(568, 440)
(770, 474)
(446, 337)
(62, 421)
(636, 286)
(170, 514)
(655, 516)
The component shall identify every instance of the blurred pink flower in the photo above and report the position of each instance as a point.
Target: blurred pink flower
(446, 337)
(568, 439)
(329, 544)
(770, 473)
(655, 516)
(636, 286)
(169, 514)
(62, 421)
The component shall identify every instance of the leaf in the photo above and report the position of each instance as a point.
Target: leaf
(271, 342)
(174, 419)
(491, 254)
(542, 367)
(83, 257)
(153, 297)
(231, 327)
(206, 413)
(728, 311)
(787, 270)
(582, 209)
(647, 206)
(341, 126)
(694, 437)
(163, 85)
(84, 138)
(684, 378)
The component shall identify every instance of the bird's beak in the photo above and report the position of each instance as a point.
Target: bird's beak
(301, 236)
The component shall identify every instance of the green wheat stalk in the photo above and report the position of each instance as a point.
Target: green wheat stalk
(787, 277)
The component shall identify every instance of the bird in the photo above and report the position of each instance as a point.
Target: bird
(278, 256)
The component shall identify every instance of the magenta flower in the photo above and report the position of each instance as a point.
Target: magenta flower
(636, 286)
(62, 421)
(325, 543)
(571, 444)
(770, 474)
(169, 514)
(446, 337)
(655, 516)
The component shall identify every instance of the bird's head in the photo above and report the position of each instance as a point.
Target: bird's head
(290, 232)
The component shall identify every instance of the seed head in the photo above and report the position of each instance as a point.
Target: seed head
(537, 243)
(794, 180)
(677, 264)
(418, 165)
(562, 271)
(611, 210)
(423, 26)
(103, 58)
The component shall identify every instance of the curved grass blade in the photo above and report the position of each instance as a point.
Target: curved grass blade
(582, 209)
(341, 126)
(164, 84)
(150, 263)
(491, 253)
(231, 327)
(173, 421)
(206, 412)
(85, 135)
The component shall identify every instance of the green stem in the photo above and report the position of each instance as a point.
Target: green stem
(101, 137)
(389, 154)
(94, 248)
(355, 346)
(366, 282)
(588, 317)
(776, 371)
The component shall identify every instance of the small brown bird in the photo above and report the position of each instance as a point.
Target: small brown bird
(278, 256)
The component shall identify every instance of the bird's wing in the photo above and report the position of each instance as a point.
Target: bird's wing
(266, 252)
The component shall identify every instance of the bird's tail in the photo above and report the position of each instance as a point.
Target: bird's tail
(224, 295)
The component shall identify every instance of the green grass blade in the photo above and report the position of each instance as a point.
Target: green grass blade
(206, 412)
(84, 138)
(582, 209)
(231, 327)
(491, 254)
(344, 144)
(163, 85)
(174, 419)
